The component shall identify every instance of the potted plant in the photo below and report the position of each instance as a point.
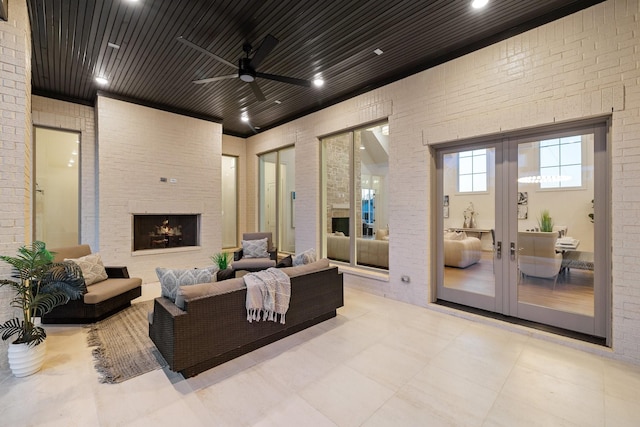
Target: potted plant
(223, 261)
(545, 222)
(40, 285)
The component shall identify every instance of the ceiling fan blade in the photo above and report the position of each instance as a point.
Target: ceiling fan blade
(284, 79)
(265, 48)
(215, 79)
(205, 51)
(257, 92)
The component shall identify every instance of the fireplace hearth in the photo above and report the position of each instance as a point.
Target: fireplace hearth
(160, 231)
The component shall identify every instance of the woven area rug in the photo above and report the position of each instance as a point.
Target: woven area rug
(123, 347)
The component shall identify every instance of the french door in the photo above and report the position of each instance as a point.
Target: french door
(525, 227)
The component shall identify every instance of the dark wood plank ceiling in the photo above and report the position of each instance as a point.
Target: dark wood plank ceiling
(335, 39)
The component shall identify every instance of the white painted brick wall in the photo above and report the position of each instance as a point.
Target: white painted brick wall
(584, 65)
(63, 115)
(139, 145)
(15, 146)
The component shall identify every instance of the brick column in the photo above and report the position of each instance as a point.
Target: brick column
(15, 143)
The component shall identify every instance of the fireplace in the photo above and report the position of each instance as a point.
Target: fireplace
(165, 231)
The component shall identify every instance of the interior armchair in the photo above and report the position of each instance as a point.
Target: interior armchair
(537, 256)
(257, 253)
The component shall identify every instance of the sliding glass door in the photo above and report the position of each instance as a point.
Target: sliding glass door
(355, 167)
(525, 231)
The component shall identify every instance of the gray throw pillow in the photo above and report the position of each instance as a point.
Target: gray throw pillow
(305, 257)
(255, 248)
(172, 279)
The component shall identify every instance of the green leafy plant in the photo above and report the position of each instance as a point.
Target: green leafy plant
(591, 214)
(40, 286)
(545, 222)
(222, 260)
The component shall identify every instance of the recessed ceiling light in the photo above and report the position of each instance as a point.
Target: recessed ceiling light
(318, 82)
(378, 52)
(102, 80)
(277, 101)
(479, 4)
(113, 45)
(244, 117)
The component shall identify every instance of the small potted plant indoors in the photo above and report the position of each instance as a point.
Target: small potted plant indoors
(545, 222)
(40, 285)
(222, 260)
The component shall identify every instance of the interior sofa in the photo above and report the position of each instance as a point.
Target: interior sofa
(461, 250)
(212, 328)
(369, 251)
(102, 299)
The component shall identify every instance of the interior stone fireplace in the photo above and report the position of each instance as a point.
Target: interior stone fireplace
(161, 231)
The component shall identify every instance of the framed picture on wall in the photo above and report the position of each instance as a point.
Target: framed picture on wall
(523, 211)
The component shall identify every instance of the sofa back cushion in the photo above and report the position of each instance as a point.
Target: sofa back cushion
(201, 290)
(299, 270)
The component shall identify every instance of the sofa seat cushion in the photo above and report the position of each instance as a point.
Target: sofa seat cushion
(110, 288)
(253, 264)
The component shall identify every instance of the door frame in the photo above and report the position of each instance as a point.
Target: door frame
(601, 127)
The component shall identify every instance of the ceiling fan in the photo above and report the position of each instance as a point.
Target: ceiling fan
(247, 66)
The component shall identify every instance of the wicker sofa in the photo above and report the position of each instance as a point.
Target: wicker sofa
(212, 328)
(102, 299)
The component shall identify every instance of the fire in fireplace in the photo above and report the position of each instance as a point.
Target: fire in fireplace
(165, 231)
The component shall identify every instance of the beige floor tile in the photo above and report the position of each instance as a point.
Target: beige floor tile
(345, 396)
(294, 411)
(387, 365)
(564, 399)
(450, 399)
(512, 412)
(243, 399)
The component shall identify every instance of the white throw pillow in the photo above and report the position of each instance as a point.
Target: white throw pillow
(255, 248)
(172, 278)
(92, 268)
(305, 257)
(455, 235)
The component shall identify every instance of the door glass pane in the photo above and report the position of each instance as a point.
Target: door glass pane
(336, 177)
(229, 202)
(268, 189)
(371, 155)
(57, 155)
(555, 251)
(469, 223)
(287, 180)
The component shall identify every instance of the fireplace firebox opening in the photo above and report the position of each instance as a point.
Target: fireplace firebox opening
(161, 231)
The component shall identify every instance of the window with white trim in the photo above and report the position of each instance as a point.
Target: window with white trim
(472, 171)
(561, 162)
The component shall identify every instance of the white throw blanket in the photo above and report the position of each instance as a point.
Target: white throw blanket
(268, 294)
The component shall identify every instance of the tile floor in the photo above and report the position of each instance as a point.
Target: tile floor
(378, 363)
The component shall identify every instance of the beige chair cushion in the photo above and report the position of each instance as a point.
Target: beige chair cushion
(110, 288)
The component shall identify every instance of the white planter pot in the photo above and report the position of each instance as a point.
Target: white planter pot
(25, 360)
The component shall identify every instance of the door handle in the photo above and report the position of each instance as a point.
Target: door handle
(513, 250)
(498, 250)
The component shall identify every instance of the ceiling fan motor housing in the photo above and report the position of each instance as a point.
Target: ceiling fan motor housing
(246, 73)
